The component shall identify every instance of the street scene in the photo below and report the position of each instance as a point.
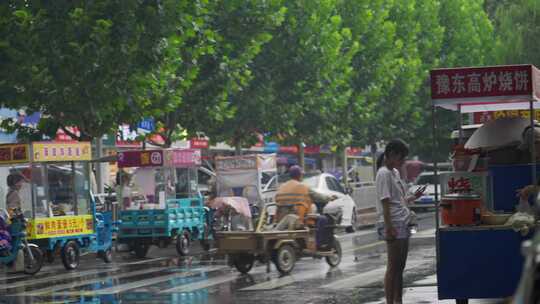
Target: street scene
(162, 277)
(270, 151)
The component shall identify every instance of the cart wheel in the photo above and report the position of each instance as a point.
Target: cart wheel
(71, 255)
(243, 262)
(106, 255)
(285, 258)
(335, 259)
(33, 264)
(141, 249)
(182, 243)
(462, 301)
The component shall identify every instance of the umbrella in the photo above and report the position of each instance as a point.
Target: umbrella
(498, 133)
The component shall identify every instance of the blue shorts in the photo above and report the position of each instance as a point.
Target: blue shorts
(402, 228)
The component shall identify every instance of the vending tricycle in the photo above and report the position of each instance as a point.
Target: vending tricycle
(282, 247)
(50, 182)
(160, 200)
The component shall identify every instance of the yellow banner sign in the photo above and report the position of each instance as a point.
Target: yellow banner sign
(55, 151)
(59, 226)
(17, 153)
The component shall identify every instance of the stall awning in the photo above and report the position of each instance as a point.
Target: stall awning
(493, 88)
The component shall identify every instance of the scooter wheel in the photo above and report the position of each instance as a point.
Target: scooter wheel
(182, 243)
(33, 264)
(106, 255)
(335, 259)
(71, 255)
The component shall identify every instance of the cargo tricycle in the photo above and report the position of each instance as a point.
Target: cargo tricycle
(282, 247)
(160, 201)
(53, 190)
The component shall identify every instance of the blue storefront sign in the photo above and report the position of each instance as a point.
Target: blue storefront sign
(271, 147)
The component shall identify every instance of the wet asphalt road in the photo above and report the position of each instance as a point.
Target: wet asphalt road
(206, 278)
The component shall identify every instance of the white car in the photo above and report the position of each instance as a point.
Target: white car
(326, 184)
(428, 198)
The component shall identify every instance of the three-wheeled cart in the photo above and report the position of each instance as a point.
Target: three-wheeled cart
(483, 261)
(56, 198)
(165, 204)
(282, 247)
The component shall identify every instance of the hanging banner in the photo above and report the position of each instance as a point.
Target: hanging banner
(16, 153)
(60, 226)
(199, 143)
(183, 158)
(482, 117)
(486, 83)
(61, 151)
(146, 158)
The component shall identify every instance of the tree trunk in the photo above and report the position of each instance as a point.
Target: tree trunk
(301, 156)
(374, 157)
(345, 166)
(99, 165)
(237, 148)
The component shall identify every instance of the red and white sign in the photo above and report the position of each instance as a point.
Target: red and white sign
(183, 157)
(482, 82)
(352, 151)
(288, 149)
(62, 136)
(199, 143)
(312, 150)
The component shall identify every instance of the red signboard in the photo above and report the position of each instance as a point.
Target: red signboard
(199, 143)
(312, 150)
(496, 81)
(146, 158)
(352, 151)
(288, 149)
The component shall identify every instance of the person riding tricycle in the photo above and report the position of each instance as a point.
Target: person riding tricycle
(294, 231)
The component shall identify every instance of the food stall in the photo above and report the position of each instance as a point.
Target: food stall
(160, 200)
(54, 193)
(478, 250)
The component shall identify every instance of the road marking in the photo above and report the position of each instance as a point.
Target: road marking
(70, 275)
(142, 283)
(212, 282)
(295, 277)
(144, 261)
(200, 285)
(365, 278)
(371, 245)
(41, 291)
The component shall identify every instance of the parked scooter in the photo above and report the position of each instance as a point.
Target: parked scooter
(33, 256)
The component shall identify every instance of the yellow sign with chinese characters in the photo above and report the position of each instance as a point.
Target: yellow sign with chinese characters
(60, 226)
(60, 151)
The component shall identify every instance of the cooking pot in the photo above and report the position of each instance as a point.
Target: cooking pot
(461, 209)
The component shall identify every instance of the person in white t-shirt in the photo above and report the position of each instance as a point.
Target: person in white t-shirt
(393, 216)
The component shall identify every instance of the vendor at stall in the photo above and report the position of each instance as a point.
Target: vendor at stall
(13, 198)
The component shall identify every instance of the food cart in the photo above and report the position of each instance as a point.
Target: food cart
(475, 259)
(164, 203)
(55, 195)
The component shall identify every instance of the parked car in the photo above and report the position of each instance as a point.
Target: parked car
(324, 183)
(428, 198)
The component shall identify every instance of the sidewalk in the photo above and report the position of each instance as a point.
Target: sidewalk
(424, 291)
